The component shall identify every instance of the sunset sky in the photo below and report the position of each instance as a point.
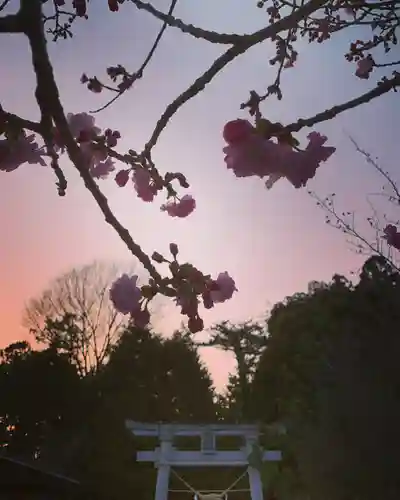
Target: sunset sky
(273, 243)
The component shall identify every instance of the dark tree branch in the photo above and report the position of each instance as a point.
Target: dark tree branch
(19, 122)
(228, 56)
(210, 36)
(46, 121)
(387, 65)
(380, 89)
(33, 28)
(10, 24)
(139, 73)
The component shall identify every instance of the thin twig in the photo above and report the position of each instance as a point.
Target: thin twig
(350, 230)
(228, 56)
(139, 73)
(173, 22)
(380, 89)
(384, 174)
(387, 65)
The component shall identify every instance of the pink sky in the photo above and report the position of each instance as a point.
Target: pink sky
(272, 243)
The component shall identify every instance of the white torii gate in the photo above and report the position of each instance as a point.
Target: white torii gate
(167, 456)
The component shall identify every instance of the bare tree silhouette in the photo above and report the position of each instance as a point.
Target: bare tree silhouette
(76, 313)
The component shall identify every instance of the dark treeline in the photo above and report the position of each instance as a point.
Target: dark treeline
(323, 368)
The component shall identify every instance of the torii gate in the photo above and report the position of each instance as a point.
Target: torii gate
(167, 456)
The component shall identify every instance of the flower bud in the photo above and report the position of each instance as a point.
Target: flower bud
(157, 257)
(141, 318)
(207, 300)
(148, 292)
(173, 248)
(195, 324)
(122, 177)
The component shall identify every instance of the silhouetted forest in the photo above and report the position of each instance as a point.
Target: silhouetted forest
(324, 366)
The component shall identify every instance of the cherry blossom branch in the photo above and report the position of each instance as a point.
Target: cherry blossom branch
(61, 29)
(385, 240)
(18, 122)
(382, 88)
(341, 221)
(95, 85)
(15, 122)
(33, 28)
(225, 38)
(173, 22)
(387, 65)
(139, 74)
(247, 42)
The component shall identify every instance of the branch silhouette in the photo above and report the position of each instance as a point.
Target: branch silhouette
(33, 28)
(139, 73)
(227, 57)
(382, 88)
(55, 127)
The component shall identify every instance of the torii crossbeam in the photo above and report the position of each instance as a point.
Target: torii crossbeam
(167, 456)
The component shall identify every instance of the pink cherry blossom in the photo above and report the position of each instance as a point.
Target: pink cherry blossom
(24, 149)
(181, 208)
(82, 123)
(93, 154)
(102, 169)
(226, 288)
(236, 131)
(125, 294)
(365, 67)
(255, 156)
(252, 155)
(304, 164)
(142, 182)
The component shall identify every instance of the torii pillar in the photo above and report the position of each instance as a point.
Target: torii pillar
(164, 468)
(256, 486)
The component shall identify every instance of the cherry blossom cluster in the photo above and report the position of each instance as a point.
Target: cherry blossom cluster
(266, 150)
(18, 148)
(118, 74)
(189, 285)
(251, 151)
(254, 151)
(382, 17)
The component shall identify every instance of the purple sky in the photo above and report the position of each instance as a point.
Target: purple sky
(273, 243)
